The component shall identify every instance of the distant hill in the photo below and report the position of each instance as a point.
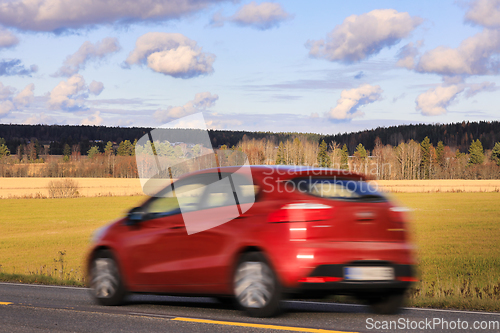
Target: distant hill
(455, 135)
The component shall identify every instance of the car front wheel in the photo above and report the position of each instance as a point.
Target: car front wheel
(256, 287)
(105, 280)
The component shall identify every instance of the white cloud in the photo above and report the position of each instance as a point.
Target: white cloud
(261, 16)
(26, 96)
(96, 88)
(6, 107)
(475, 89)
(7, 38)
(475, 55)
(200, 102)
(6, 91)
(40, 118)
(406, 55)
(58, 15)
(359, 37)
(68, 95)
(484, 12)
(434, 101)
(204, 100)
(88, 52)
(171, 54)
(92, 120)
(220, 124)
(351, 100)
(9, 101)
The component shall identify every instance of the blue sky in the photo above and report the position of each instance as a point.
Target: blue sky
(315, 66)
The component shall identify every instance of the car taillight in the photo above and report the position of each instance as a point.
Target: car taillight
(301, 212)
(319, 279)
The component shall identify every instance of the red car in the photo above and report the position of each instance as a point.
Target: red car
(297, 232)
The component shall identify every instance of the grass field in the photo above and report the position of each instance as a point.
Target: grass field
(457, 236)
(34, 233)
(458, 244)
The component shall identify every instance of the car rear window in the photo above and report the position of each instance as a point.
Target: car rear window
(338, 189)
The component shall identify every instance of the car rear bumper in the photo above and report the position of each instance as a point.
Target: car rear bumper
(330, 279)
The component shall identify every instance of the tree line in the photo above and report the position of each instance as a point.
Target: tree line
(53, 138)
(407, 160)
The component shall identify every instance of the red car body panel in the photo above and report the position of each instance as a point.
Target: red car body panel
(159, 256)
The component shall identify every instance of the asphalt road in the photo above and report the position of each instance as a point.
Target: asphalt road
(35, 308)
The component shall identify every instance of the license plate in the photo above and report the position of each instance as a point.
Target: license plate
(369, 273)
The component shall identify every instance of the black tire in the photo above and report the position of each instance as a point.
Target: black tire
(256, 287)
(106, 283)
(388, 303)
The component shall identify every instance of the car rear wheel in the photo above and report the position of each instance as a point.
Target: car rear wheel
(256, 287)
(389, 303)
(106, 283)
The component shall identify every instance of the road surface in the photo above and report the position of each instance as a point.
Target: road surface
(36, 308)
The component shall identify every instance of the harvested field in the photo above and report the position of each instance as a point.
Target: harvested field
(439, 185)
(31, 187)
(27, 187)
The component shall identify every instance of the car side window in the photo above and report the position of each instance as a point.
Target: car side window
(185, 194)
(220, 193)
(202, 191)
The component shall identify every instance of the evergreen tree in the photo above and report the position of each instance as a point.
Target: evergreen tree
(495, 153)
(93, 151)
(196, 150)
(440, 153)
(132, 151)
(108, 150)
(344, 158)
(360, 157)
(4, 150)
(425, 161)
(125, 148)
(361, 153)
(66, 152)
(458, 154)
(323, 158)
(476, 153)
(280, 156)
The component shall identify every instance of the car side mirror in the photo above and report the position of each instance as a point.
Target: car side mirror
(135, 215)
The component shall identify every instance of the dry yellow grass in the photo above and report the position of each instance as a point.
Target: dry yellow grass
(32, 187)
(439, 185)
(87, 187)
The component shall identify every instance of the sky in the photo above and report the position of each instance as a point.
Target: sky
(292, 66)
